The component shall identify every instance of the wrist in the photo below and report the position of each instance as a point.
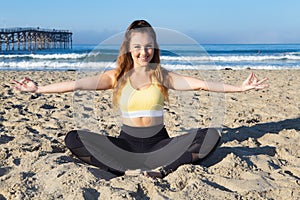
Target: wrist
(242, 89)
(37, 90)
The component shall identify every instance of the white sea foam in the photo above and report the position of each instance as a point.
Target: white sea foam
(226, 58)
(45, 56)
(177, 57)
(232, 58)
(40, 65)
(233, 67)
(49, 65)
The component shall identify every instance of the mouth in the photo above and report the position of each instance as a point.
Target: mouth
(144, 59)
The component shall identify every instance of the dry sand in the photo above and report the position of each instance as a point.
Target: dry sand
(259, 157)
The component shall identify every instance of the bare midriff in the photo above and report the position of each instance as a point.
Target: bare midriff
(142, 121)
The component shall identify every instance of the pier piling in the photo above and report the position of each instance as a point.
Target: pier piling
(31, 39)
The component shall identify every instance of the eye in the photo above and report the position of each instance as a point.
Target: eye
(149, 47)
(136, 47)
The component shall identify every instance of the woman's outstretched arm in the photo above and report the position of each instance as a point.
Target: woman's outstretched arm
(100, 82)
(180, 82)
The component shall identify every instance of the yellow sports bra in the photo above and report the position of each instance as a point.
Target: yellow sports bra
(147, 102)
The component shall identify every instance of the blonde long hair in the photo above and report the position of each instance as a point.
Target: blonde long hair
(125, 62)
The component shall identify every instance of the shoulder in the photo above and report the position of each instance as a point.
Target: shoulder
(169, 75)
(166, 78)
(110, 73)
(109, 77)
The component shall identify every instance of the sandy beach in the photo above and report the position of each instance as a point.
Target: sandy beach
(258, 158)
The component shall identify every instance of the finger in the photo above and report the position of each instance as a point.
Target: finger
(249, 77)
(254, 78)
(27, 79)
(16, 82)
(23, 81)
(261, 81)
(261, 87)
(17, 87)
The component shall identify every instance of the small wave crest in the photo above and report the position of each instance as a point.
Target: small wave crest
(44, 56)
(233, 58)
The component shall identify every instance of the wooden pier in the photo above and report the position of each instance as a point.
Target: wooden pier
(30, 39)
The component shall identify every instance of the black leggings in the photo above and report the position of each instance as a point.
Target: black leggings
(117, 154)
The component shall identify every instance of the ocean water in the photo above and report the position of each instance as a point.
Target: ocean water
(173, 57)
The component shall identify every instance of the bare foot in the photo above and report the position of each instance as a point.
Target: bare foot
(136, 172)
(153, 174)
(133, 172)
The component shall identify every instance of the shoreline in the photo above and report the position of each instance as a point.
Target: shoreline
(259, 156)
(100, 70)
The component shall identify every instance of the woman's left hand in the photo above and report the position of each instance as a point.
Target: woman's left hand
(252, 82)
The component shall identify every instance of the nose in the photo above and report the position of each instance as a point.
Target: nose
(143, 50)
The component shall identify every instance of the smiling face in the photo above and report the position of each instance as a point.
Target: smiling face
(141, 48)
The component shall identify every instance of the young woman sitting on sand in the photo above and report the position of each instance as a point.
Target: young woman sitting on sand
(140, 88)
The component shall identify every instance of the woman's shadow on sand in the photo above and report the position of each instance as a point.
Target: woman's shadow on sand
(243, 133)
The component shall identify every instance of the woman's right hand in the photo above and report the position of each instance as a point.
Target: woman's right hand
(25, 85)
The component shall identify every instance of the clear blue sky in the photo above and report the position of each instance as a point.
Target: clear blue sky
(207, 21)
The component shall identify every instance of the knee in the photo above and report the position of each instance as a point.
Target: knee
(212, 133)
(72, 139)
(215, 132)
(210, 142)
(212, 136)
